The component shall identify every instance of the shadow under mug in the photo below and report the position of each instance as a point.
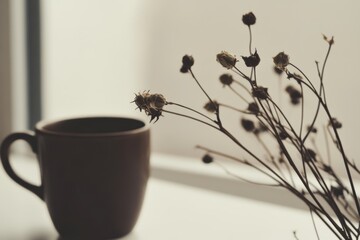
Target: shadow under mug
(94, 173)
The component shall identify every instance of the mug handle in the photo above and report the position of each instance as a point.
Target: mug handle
(4, 153)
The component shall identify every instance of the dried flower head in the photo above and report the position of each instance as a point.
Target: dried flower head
(184, 69)
(156, 101)
(253, 60)
(281, 60)
(226, 79)
(207, 159)
(249, 19)
(152, 104)
(140, 100)
(329, 41)
(154, 113)
(211, 106)
(187, 63)
(260, 92)
(226, 59)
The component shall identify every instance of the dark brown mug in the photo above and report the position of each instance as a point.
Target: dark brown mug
(94, 173)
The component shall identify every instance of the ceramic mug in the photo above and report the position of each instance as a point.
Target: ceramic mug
(94, 173)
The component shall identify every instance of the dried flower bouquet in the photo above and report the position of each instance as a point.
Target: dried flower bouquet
(296, 164)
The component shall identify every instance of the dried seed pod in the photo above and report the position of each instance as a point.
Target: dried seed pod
(141, 100)
(226, 59)
(211, 106)
(154, 114)
(253, 60)
(281, 60)
(207, 159)
(260, 92)
(187, 63)
(152, 104)
(329, 41)
(249, 19)
(184, 69)
(156, 101)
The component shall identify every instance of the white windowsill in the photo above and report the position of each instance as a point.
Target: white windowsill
(171, 210)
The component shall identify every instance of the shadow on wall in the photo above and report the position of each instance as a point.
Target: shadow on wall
(175, 29)
(230, 186)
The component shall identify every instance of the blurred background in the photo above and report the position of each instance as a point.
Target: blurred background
(63, 59)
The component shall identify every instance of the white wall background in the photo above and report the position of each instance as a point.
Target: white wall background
(12, 67)
(92, 57)
(18, 65)
(98, 53)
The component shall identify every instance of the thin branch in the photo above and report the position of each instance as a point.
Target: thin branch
(244, 179)
(190, 117)
(327, 146)
(250, 41)
(198, 83)
(235, 109)
(302, 111)
(191, 109)
(278, 181)
(313, 221)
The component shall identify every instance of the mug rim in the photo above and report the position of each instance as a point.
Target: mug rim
(40, 127)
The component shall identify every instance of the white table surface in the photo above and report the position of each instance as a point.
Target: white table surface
(171, 211)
